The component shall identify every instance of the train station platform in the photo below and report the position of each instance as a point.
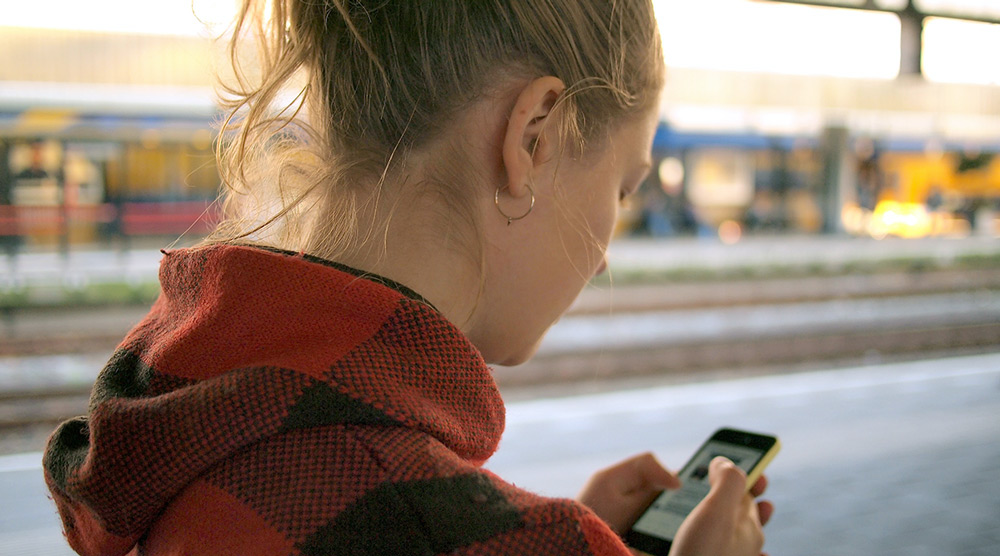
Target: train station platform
(666, 257)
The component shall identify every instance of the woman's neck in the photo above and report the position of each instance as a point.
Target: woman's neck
(405, 240)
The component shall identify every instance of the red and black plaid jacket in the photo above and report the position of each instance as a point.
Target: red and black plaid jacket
(273, 403)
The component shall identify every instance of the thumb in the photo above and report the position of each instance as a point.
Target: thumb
(728, 481)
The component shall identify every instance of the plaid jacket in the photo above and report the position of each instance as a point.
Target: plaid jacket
(273, 403)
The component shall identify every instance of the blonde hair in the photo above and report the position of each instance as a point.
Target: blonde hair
(378, 78)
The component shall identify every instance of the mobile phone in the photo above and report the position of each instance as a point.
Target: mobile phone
(656, 528)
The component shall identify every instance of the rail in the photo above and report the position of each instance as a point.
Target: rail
(957, 312)
(28, 408)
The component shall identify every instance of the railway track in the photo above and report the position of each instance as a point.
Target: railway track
(28, 408)
(644, 331)
(678, 361)
(27, 417)
(86, 329)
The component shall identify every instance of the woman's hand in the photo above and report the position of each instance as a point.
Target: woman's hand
(728, 521)
(619, 494)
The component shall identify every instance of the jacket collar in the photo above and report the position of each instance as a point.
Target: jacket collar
(246, 343)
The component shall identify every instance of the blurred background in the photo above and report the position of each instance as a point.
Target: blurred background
(815, 256)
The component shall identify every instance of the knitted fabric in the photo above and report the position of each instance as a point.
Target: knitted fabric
(273, 403)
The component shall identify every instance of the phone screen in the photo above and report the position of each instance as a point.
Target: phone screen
(664, 517)
(655, 530)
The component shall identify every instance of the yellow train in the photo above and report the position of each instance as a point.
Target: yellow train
(929, 193)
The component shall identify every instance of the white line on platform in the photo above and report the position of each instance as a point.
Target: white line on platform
(589, 406)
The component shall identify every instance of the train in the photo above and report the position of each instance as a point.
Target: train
(76, 174)
(82, 169)
(729, 184)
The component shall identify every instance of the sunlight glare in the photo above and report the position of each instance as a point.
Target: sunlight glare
(739, 35)
(171, 17)
(961, 51)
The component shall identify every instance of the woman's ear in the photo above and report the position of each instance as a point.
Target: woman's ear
(525, 146)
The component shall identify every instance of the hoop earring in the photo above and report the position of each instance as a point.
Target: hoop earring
(531, 205)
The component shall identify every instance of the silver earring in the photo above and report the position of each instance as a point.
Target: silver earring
(496, 200)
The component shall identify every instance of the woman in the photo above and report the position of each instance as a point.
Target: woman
(313, 379)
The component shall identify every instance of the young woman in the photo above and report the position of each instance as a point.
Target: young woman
(313, 380)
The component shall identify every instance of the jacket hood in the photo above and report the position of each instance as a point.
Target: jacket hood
(243, 344)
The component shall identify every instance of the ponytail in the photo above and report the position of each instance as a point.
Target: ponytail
(340, 90)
